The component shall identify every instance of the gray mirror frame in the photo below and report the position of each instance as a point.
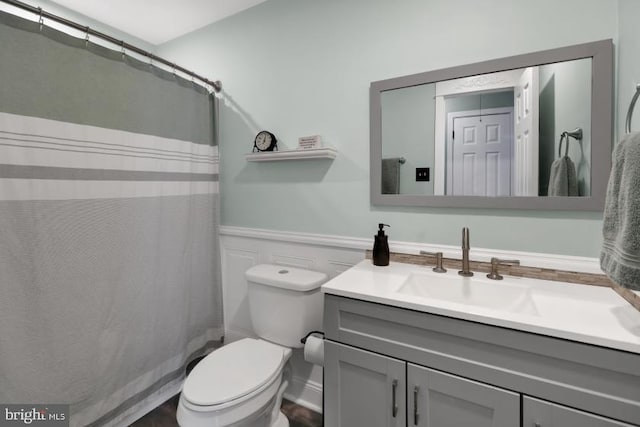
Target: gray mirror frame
(602, 100)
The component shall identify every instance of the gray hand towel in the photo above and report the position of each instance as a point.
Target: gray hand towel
(391, 175)
(620, 255)
(563, 180)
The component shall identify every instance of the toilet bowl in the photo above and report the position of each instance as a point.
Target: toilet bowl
(242, 383)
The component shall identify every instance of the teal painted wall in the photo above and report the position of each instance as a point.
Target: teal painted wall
(408, 123)
(303, 67)
(566, 83)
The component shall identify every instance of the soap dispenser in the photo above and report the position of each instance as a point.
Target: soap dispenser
(381, 247)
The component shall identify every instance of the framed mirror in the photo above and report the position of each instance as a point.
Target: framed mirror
(532, 131)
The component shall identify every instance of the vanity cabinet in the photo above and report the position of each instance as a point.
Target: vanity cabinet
(440, 399)
(363, 388)
(537, 413)
(369, 389)
(441, 371)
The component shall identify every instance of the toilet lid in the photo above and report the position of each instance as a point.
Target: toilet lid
(233, 371)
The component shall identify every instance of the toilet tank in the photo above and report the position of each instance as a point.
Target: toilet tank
(285, 302)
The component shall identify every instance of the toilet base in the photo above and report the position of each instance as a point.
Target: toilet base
(281, 421)
(260, 419)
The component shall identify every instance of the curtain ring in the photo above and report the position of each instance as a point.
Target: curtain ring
(122, 51)
(40, 20)
(86, 37)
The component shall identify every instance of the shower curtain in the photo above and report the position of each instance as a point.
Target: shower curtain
(109, 256)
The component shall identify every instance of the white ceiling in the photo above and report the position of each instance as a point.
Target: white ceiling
(157, 21)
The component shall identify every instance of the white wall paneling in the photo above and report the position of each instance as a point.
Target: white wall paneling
(234, 295)
(245, 247)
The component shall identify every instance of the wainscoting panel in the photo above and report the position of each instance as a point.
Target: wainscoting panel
(235, 261)
(293, 261)
(245, 247)
(240, 251)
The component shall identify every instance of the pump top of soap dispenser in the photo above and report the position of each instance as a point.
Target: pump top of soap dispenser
(381, 228)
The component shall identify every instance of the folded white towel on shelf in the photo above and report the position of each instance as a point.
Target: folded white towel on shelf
(620, 255)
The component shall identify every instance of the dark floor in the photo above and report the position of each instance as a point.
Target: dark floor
(165, 415)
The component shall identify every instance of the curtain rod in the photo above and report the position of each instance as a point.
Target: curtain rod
(217, 85)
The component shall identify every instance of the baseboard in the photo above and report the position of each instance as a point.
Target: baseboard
(305, 393)
(529, 259)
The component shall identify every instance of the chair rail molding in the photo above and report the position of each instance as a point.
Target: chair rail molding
(530, 259)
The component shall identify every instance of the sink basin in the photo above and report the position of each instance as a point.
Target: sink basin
(592, 314)
(470, 291)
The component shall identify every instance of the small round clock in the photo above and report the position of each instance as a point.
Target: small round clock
(265, 141)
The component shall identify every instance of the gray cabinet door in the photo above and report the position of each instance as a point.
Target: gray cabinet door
(363, 388)
(436, 399)
(538, 413)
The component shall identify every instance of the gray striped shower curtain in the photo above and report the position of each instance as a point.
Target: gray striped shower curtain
(109, 205)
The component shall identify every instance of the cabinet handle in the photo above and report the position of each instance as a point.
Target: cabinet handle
(416, 415)
(536, 425)
(394, 406)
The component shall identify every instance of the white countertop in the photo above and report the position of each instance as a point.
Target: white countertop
(589, 314)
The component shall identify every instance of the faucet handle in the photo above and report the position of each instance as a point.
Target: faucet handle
(495, 262)
(438, 268)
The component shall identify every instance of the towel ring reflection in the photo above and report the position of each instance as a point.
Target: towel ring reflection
(627, 125)
(575, 134)
(566, 146)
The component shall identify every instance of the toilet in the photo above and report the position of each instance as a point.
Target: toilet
(242, 383)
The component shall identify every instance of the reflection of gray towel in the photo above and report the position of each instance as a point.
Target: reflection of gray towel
(563, 180)
(391, 175)
(620, 255)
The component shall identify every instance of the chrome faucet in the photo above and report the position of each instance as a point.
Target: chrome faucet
(495, 262)
(466, 271)
(438, 256)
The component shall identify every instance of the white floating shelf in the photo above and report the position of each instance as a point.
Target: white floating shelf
(311, 153)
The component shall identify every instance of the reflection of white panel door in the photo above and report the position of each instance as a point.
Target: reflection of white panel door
(481, 156)
(525, 173)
